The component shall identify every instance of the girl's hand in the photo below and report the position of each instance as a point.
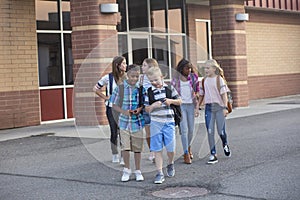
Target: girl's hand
(225, 112)
(197, 113)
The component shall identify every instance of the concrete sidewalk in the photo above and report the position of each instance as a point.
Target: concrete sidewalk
(68, 129)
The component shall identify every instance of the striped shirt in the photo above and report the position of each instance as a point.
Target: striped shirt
(104, 81)
(164, 113)
(132, 123)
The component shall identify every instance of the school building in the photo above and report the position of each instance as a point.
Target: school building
(52, 52)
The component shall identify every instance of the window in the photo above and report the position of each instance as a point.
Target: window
(138, 15)
(158, 24)
(55, 60)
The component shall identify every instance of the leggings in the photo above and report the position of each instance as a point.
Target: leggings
(114, 129)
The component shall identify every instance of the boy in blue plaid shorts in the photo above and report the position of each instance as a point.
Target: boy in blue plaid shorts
(126, 100)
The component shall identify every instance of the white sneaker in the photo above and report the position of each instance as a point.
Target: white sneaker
(122, 161)
(115, 158)
(138, 175)
(126, 175)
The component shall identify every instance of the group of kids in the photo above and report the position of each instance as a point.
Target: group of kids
(136, 101)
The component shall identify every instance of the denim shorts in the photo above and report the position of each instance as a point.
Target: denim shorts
(146, 118)
(162, 134)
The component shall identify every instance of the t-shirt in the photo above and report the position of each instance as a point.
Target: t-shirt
(164, 113)
(212, 95)
(104, 81)
(130, 101)
(186, 92)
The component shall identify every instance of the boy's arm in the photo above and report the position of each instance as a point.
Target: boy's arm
(176, 102)
(150, 108)
(120, 110)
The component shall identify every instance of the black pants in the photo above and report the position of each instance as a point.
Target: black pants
(114, 129)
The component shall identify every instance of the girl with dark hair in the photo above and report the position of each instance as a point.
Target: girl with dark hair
(111, 81)
(187, 85)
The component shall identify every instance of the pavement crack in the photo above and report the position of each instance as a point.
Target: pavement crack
(71, 180)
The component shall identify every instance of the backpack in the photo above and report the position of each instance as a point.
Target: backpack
(176, 109)
(229, 95)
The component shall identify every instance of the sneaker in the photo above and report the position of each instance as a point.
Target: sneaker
(227, 150)
(159, 178)
(138, 175)
(212, 159)
(115, 158)
(122, 161)
(126, 175)
(170, 170)
(152, 157)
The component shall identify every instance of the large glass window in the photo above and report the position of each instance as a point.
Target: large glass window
(175, 16)
(158, 24)
(55, 60)
(49, 56)
(122, 25)
(138, 15)
(47, 16)
(158, 15)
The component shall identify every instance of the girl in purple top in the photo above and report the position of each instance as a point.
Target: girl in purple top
(187, 85)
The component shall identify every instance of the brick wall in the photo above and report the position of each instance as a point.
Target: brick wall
(229, 46)
(94, 44)
(19, 92)
(273, 46)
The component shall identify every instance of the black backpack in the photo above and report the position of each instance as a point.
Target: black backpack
(176, 109)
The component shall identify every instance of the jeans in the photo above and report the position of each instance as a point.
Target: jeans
(214, 114)
(187, 125)
(114, 129)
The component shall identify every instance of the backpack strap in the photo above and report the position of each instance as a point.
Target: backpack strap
(218, 83)
(110, 80)
(121, 97)
(150, 95)
(193, 82)
(141, 99)
(203, 85)
(168, 92)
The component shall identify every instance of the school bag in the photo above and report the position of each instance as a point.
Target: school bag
(176, 109)
(229, 95)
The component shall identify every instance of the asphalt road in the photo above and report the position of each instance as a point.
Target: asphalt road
(265, 164)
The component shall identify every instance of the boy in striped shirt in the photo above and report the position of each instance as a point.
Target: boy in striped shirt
(162, 127)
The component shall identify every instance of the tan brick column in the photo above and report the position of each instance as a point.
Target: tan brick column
(19, 86)
(229, 46)
(92, 55)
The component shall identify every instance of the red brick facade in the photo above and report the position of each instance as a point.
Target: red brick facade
(94, 44)
(229, 46)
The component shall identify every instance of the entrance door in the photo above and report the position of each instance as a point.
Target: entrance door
(139, 49)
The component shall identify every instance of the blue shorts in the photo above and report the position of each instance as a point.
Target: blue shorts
(162, 134)
(146, 118)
